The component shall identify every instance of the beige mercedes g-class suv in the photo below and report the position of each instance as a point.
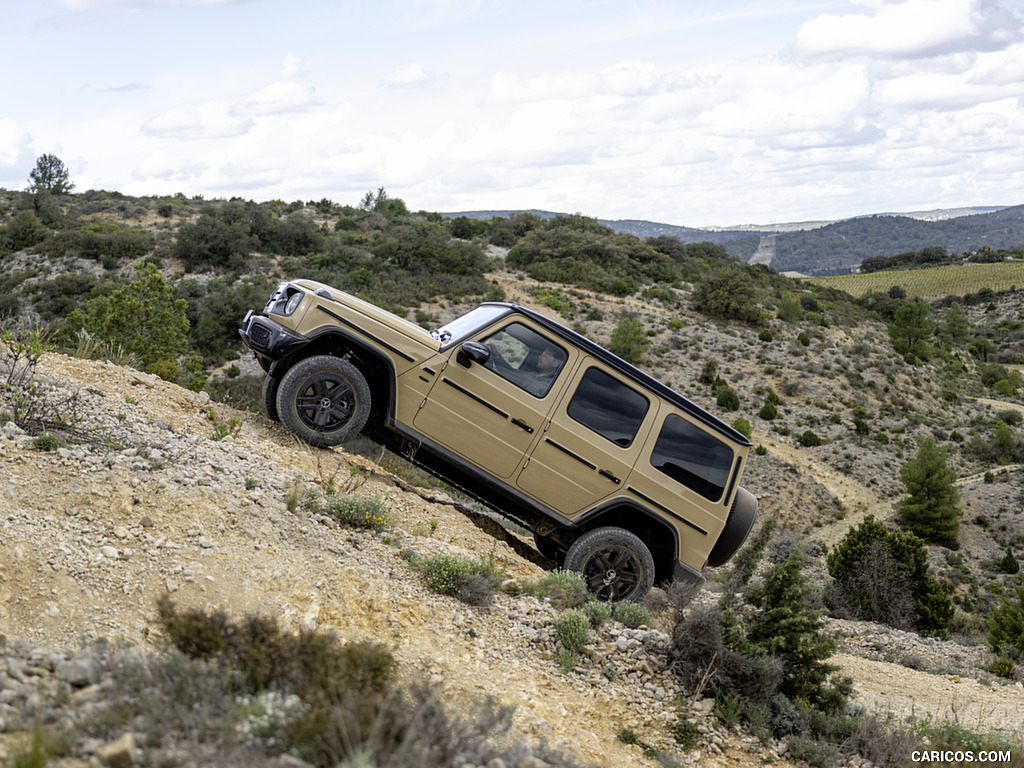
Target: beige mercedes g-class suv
(619, 477)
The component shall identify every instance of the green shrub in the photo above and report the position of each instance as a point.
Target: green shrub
(48, 442)
(597, 612)
(631, 614)
(742, 426)
(143, 317)
(817, 753)
(460, 576)
(1008, 564)
(1003, 667)
(729, 708)
(629, 340)
(727, 398)
(728, 293)
(361, 511)
(684, 732)
(787, 629)
(931, 507)
(882, 575)
(565, 589)
(628, 736)
(351, 709)
(572, 628)
(1006, 625)
(809, 439)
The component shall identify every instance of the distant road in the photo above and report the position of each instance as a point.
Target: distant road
(765, 250)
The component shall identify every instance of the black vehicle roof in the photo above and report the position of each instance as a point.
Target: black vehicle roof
(629, 370)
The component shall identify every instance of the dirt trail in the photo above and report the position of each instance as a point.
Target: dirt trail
(858, 500)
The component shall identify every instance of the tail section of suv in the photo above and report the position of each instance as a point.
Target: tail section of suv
(618, 476)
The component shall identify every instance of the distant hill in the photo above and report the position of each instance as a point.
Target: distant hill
(842, 246)
(644, 229)
(829, 248)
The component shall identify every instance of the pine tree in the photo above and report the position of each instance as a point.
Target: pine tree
(930, 509)
(50, 175)
(788, 629)
(911, 329)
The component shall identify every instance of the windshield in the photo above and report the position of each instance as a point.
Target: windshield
(463, 326)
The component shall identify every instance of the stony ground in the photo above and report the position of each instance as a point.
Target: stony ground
(92, 534)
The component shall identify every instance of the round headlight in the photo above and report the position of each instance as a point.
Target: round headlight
(293, 302)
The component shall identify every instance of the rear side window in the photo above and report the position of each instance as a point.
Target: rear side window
(692, 457)
(608, 407)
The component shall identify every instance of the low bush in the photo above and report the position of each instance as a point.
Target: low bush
(352, 509)
(702, 660)
(631, 614)
(565, 589)
(572, 628)
(474, 579)
(249, 689)
(597, 612)
(809, 439)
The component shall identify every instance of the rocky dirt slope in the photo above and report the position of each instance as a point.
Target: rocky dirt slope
(91, 534)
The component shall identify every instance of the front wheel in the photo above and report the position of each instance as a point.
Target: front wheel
(268, 397)
(323, 400)
(615, 564)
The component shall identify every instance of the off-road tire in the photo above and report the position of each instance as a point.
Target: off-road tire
(737, 526)
(615, 564)
(268, 397)
(323, 400)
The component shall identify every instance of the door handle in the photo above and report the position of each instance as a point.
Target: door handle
(609, 475)
(523, 425)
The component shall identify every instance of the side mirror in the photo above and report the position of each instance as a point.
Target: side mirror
(472, 352)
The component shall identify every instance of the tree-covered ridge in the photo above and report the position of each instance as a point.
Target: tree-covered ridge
(223, 257)
(841, 247)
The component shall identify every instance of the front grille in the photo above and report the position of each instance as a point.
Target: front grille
(260, 336)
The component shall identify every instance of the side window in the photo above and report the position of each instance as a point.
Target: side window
(608, 407)
(692, 457)
(524, 357)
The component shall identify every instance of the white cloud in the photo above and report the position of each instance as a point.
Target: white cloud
(277, 98)
(211, 120)
(16, 156)
(167, 166)
(137, 5)
(909, 29)
(410, 76)
(292, 66)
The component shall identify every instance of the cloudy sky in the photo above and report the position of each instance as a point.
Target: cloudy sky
(694, 112)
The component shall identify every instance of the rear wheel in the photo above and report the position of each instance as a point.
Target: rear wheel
(615, 564)
(323, 400)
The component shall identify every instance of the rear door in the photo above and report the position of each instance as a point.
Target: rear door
(689, 473)
(588, 448)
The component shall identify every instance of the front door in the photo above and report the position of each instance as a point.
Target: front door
(491, 412)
